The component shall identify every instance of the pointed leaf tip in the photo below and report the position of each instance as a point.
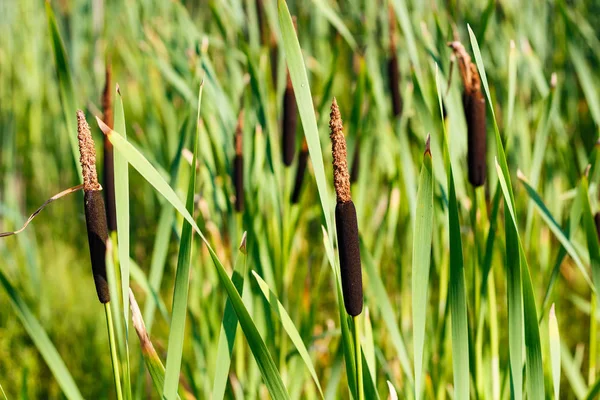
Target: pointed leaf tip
(105, 129)
(243, 243)
(428, 145)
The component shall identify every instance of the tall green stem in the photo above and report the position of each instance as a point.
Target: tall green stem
(359, 374)
(113, 350)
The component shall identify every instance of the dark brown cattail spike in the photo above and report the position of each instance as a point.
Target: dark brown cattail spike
(597, 221)
(238, 165)
(302, 161)
(475, 115)
(393, 69)
(345, 219)
(289, 123)
(109, 168)
(289, 120)
(95, 214)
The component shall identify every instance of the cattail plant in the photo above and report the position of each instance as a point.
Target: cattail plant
(345, 218)
(109, 168)
(302, 161)
(95, 214)
(597, 221)
(290, 120)
(392, 68)
(238, 164)
(475, 114)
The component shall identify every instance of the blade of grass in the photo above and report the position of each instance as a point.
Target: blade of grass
(457, 297)
(182, 280)
(554, 339)
(421, 261)
(229, 326)
(289, 327)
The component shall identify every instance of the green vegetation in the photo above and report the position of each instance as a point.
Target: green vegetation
(486, 292)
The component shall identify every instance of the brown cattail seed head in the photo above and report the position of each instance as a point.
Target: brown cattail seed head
(597, 221)
(95, 217)
(341, 177)
(349, 251)
(87, 154)
(345, 218)
(475, 115)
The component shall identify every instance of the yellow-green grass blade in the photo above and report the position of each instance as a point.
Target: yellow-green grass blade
(113, 319)
(594, 253)
(384, 305)
(41, 340)
(421, 261)
(533, 350)
(65, 84)
(182, 281)
(457, 298)
(122, 208)
(229, 326)
(555, 228)
(554, 340)
(289, 327)
(259, 350)
(163, 232)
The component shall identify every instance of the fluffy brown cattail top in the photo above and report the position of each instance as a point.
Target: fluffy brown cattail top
(341, 177)
(468, 70)
(88, 154)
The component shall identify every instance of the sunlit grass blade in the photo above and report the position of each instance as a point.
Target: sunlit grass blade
(289, 327)
(421, 261)
(457, 298)
(41, 340)
(122, 208)
(182, 280)
(587, 82)
(229, 326)
(533, 350)
(261, 354)
(554, 339)
(65, 84)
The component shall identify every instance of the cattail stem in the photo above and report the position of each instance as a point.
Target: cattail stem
(109, 167)
(475, 115)
(302, 161)
(358, 356)
(113, 350)
(345, 218)
(95, 213)
(238, 165)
